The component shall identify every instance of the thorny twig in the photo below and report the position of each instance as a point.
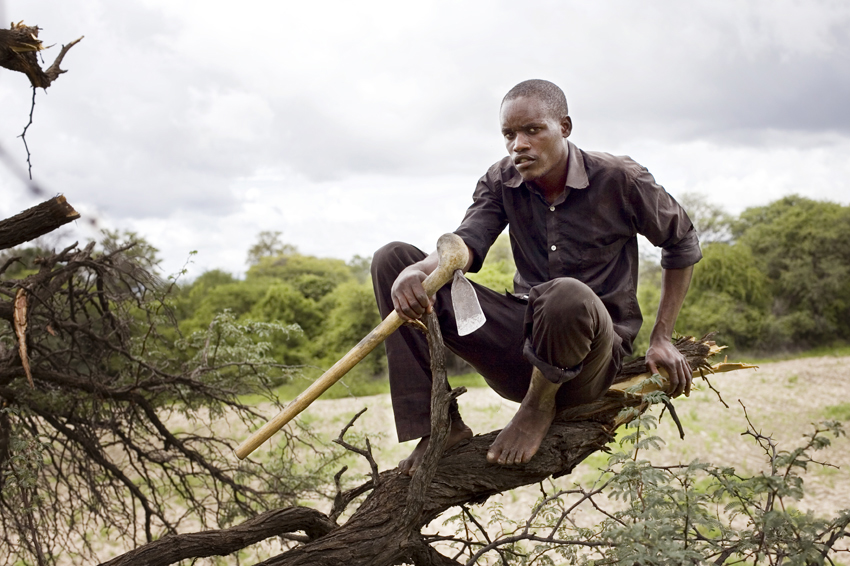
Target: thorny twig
(104, 433)
(367, 453)
(23, 135)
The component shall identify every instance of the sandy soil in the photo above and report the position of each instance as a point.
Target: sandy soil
(782, 399)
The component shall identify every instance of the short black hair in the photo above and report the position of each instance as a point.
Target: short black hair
(550, 93)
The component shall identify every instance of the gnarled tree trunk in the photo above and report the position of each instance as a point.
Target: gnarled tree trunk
(386, 528)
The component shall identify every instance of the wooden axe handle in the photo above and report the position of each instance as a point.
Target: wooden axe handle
(453, 255)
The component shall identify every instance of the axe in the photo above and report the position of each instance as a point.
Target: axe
(453, 255)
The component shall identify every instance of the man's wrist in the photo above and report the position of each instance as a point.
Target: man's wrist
(659, 335)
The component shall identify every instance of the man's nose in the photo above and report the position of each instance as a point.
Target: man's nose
(521, 143)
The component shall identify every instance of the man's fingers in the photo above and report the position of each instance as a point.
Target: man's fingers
(411, 303)
(681, 378)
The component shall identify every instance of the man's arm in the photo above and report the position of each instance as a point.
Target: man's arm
(661, 352)
(409, 297)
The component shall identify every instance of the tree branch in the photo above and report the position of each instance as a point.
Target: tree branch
(173, 548)
(36, 221)
(18, 48)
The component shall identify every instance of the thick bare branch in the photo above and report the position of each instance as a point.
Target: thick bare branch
(36, 221)
(173, 548)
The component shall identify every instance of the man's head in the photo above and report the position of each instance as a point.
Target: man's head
(550, 93)
(535, 124)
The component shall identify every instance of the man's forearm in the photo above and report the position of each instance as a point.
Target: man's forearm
(674, 287)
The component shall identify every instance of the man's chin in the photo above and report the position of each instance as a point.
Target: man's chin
(528, 175)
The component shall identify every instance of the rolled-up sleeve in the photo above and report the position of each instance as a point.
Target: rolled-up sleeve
(664, 222)
(484, 220)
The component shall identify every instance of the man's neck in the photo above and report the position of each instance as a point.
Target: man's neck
(554, 185)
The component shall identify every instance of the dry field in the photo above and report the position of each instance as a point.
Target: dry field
(783, 399)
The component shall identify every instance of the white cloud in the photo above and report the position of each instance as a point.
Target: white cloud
(346, 125)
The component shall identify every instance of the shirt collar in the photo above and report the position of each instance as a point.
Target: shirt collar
(576, 172)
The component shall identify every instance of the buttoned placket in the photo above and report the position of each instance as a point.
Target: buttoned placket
(553, 233)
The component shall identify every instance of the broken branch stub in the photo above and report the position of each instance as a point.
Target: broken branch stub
(19, 46)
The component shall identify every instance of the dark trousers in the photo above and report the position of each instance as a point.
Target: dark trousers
(563, 329)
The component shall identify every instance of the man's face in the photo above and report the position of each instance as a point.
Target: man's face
(535, 139)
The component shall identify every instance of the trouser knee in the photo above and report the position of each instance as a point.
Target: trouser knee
(564, 319)
(393, 257)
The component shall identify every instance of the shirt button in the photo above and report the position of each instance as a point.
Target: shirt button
(553, 248)
(552, 208)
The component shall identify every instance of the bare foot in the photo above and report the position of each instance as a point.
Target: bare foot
(458, 432)
(519, 441)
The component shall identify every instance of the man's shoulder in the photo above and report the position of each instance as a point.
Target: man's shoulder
(503, 167)
(604, 162)
(502, 173)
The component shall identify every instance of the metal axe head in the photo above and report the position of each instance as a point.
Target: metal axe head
(468, 313)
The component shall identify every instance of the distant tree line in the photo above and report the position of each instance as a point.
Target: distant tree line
(330, 300)
(775, 278)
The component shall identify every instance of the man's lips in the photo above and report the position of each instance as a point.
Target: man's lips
(522, 161)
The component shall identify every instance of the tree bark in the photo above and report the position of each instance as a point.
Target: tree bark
(385, 529)
(18, 48)
(36, 221)
(171, 549)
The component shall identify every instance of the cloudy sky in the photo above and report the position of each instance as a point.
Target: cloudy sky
(346, 124)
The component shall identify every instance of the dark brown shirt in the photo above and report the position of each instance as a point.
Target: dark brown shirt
(589, 233)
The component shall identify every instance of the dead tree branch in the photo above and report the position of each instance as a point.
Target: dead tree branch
(18, 48)
(386, 528)
(173, 548)
(105, 454)
(36, 221)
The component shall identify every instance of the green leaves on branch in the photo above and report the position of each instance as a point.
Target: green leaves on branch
(639, 513)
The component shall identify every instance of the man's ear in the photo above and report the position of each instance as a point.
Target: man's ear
(566, 126)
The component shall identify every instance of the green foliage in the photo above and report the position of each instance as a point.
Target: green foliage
(712, 223)
(840, 412)
(269, 244)
(293, 269)
(803, 247)
(21, 261)
(329, 301)
(498, 270)
(351, 315)
(497, 275)
(197, 304)
(648, 295)
(694, 513)
(780, 282)
(126, 433)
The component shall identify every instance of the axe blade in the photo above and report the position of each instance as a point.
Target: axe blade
(468, 314)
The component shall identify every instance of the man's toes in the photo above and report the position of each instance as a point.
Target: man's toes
(493, 455)
(404, 466)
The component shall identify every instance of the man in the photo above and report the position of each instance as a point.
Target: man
(559, 339)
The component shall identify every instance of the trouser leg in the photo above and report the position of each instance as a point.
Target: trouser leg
(570, 323)
(495, 350)
(571, 339)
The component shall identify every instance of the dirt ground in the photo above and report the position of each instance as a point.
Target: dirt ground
(782, 399)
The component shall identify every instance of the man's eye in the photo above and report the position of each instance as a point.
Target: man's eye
(510, 135)
(533, 130)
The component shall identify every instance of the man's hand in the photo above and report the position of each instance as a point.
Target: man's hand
(409, 297)
(674, 287)
(663, 353)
